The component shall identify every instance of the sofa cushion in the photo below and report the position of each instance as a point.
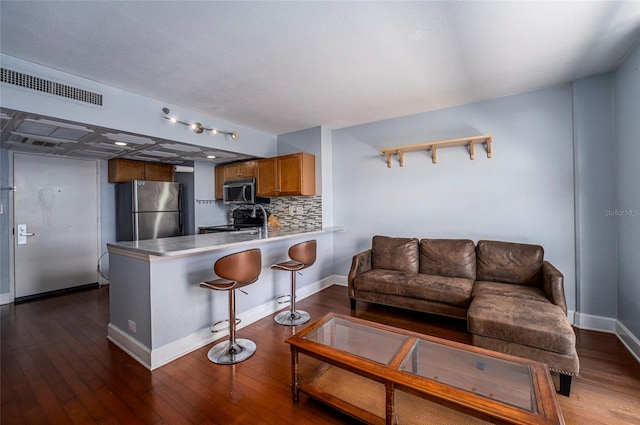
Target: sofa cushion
(449, 290)
(400, 254)
(524, 292)
(448, 257)
(509, 262)
(568, 364)
(534, 324)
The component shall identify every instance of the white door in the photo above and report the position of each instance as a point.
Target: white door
(57, 200)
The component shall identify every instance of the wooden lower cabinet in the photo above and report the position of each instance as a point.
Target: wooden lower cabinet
(125, 170)
(287, 175)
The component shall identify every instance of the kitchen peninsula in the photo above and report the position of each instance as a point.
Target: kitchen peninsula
(157, 311)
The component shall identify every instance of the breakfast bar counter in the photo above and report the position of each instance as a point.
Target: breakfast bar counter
(158, 312)
(210, 242)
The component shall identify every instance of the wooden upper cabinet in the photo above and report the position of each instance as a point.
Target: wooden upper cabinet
(267, 177)
(235, 171)
(158, 172)
(125, 170)
(219, 181)
(246, 169)
(287, 175)
(239, 170)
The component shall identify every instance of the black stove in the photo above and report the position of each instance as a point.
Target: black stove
(242, 220)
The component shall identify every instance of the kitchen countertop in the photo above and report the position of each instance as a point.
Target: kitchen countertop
(209, 242)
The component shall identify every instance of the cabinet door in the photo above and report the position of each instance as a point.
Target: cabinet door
(158, 172)
(230, 172)
(308, 175)
(289, 167)
(246, 169)
(219, 181)
(125, 170)
(297, 175)
(266, 177)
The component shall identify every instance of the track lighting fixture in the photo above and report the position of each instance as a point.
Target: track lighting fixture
(197, 127)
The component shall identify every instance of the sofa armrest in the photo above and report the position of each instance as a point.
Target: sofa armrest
(553, 285)
(361, 263)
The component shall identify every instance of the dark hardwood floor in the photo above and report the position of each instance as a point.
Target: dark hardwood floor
(58, 368)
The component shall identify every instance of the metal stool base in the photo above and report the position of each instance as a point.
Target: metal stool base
(292, 318)
(225, 353)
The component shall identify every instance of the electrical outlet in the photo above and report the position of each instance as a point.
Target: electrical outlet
(299, 210)
(132, 326)
(292, 209)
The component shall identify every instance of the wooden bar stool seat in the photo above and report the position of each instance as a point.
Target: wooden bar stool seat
(235, 271)
(301, 256)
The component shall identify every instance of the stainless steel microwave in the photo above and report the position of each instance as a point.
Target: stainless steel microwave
(239, 191)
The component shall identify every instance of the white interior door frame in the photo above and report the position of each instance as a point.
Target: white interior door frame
(13, 224)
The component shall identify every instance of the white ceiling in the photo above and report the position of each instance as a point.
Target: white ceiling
(285, 66)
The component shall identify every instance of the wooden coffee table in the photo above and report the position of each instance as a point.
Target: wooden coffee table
(385, 375)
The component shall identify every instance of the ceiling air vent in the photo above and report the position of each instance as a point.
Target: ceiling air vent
(41, 143)
(47, 86)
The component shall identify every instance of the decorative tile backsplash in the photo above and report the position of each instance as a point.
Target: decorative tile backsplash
(307, 211)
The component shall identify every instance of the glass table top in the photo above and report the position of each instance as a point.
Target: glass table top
(363, 341)
(491, 377)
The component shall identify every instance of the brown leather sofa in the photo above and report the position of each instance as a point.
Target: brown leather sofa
(512, 299)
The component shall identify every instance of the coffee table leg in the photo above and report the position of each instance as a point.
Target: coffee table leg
(295, 385)
(389, 403)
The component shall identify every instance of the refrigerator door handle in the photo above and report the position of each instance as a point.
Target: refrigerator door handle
(136, 227)
(180, 210)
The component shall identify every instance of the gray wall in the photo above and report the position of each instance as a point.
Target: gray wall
(596, 236)
(208, 211)
(627, 130)
(524, 194)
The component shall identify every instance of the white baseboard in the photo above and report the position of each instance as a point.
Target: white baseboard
(339, 280)
(628, 339)
(152, 359)
(132, 347)
(594, 323)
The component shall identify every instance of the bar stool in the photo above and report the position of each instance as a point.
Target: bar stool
(302, 256)
(235, 271)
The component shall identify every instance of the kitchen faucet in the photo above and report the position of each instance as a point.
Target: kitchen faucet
(264, 218)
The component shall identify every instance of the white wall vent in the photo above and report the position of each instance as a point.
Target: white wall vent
(47, 86)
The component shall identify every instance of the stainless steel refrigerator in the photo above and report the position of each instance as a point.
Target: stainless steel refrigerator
(148, 210)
